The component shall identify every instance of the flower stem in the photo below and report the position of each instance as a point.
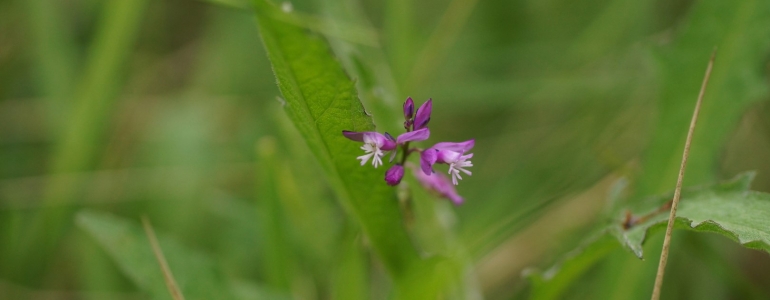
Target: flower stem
(678, 190)
(405, 151)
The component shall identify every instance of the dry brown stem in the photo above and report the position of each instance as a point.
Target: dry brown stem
(678, 190)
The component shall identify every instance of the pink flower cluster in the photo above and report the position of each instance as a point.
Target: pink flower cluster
(376, 145)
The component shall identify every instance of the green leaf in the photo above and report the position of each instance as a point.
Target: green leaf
(739, 29)
(728, 209)
(350, 275)
(277, 262)
(54, 49)
(552, 283)
(127, 244)
(78, 142)
(322, 101)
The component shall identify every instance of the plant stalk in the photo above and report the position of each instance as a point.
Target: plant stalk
(678, 190)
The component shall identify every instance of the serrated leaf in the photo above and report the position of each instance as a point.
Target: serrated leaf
(322, 101)
(728, 209)
(126, 243)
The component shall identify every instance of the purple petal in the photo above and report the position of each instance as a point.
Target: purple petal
(394, 174)
(447, 156)
(440, 184)
(379, 139)
(461, 147)
(352, 135)
(408, 109)
(388, 145)
(423, 115)
(371, 137)
(417, 135)
(427, 159)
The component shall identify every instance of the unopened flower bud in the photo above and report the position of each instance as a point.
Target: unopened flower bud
(408, 109)
(423, 115)
(394, 174)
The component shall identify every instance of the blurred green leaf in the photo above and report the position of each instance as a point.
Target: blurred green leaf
(238, 4)
(552, 283)
(350, 279)
(90, 109)
(728, 209)
(55, 49)
(322, 101)
(369, 67)
(245, 290)
(277, 262)
(739, 29)
(127, 244)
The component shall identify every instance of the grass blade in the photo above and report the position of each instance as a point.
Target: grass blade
(173, 288)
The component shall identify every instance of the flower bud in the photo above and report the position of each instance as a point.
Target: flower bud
(394, 174)
(423, 115)
(408, 109)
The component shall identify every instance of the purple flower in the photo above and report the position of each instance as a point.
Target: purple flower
(452, 154)
(374, 145)
(394, 174)
(423, 115)
(438, 183)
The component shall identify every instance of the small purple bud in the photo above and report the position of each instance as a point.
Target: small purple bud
(394, 174)
(423, 115)
(408, 109)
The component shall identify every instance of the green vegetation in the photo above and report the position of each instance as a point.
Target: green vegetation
(220, 121)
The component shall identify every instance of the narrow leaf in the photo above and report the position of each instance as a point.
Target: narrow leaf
(322, 102)
(128, 246)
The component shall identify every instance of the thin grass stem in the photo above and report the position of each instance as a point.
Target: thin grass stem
(173, 288)
(678, 190)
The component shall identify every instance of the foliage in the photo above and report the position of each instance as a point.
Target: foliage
(322, 102)
(729, 209)
(110, 111)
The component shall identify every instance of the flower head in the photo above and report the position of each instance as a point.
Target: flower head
(394, 174)
(374, 146)
(439, 184)
(452, 154)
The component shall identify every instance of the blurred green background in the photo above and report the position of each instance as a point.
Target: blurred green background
(169, 108)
